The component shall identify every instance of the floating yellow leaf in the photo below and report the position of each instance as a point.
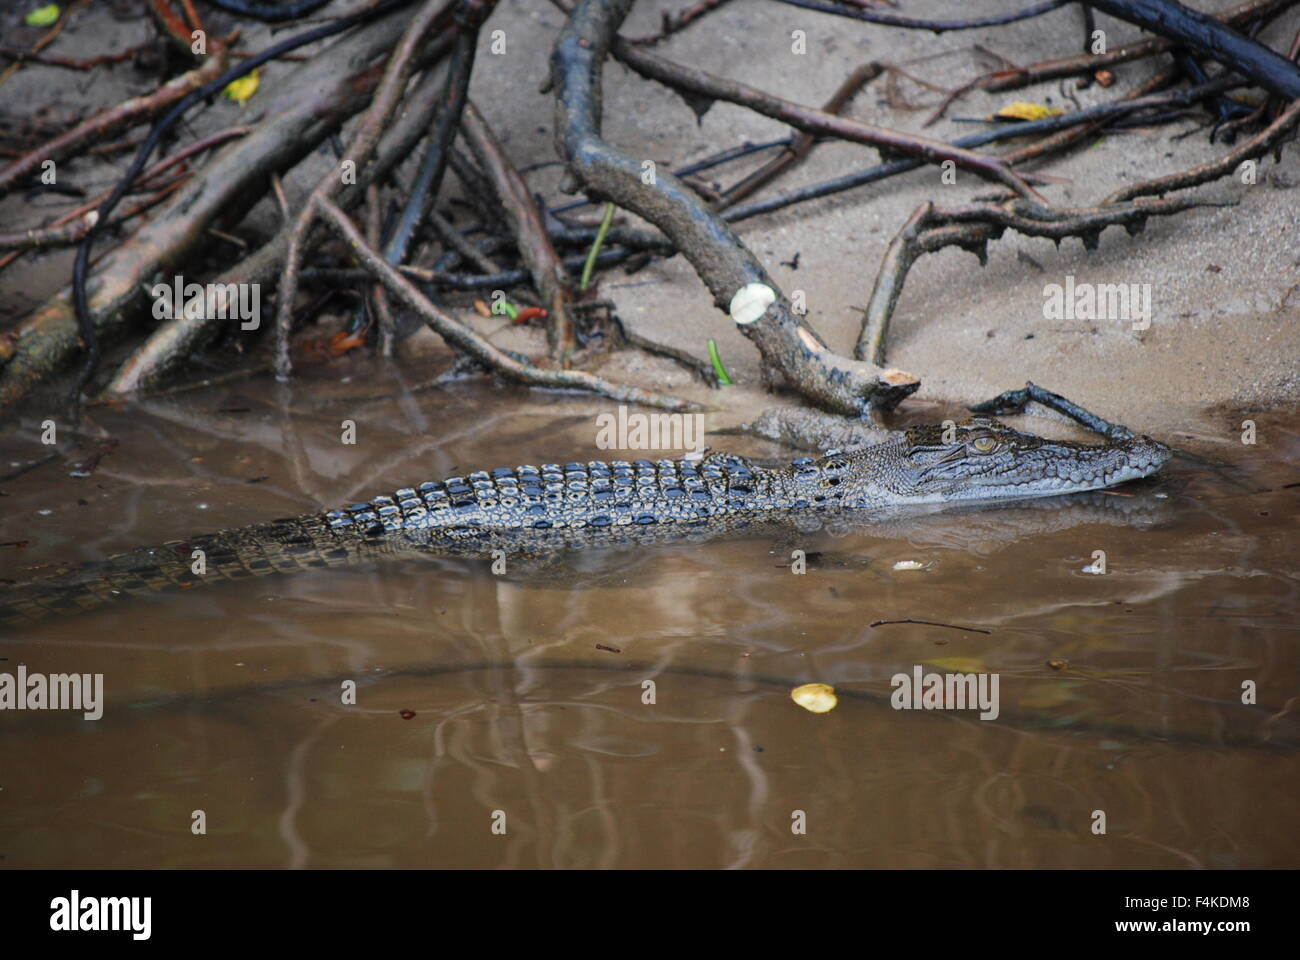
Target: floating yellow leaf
(958, 664)
(1023, 110)
(815, 697)
(42, 16)
(243, 88)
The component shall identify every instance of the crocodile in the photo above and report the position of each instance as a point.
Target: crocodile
(552, 508)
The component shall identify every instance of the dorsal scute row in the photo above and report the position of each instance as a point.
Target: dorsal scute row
(596, 492)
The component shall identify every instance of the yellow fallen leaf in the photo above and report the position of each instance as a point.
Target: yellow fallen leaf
(243, 88)
(1023, 110)
(42, 16)
(815, 697)
(958, 664)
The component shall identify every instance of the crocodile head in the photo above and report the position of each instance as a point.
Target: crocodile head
(984, 459)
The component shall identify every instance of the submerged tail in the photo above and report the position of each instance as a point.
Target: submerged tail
(279, 546)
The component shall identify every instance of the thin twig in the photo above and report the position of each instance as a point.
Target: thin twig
(1257, 146)
(108, 122)
(428, 179)
(60, 236)
(1207, 35)
(389, 93)
(802, 145)
(374, 230)
(1017, 77)
(936, 26)
(703, 84)
(529, 229)
(461, 336)
(1072, 127)
(453, 238)
(68, 63)
(1015, 401)
(672, 24)
(929, 623)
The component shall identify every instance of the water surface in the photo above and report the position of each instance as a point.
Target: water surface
(1119, 692)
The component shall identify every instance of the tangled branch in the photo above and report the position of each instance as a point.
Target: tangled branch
(722, 261)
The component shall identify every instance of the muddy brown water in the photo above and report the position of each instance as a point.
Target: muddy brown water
(529, 693)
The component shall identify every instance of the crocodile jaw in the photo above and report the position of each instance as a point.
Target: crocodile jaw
(983, 459)
(1052, 469)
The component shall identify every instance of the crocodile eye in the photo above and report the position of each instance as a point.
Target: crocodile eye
(984, 444)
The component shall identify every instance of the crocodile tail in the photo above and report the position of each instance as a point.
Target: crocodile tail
(277, 546)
